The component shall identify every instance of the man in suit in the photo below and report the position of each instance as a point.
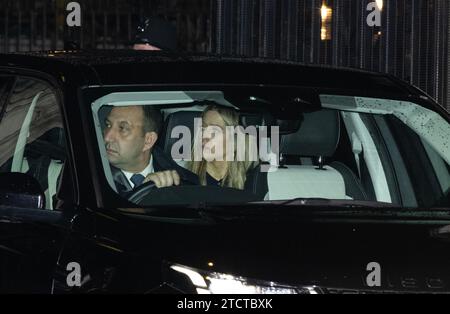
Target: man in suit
(130, 136)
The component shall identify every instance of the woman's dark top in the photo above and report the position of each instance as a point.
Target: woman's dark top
(255, 183)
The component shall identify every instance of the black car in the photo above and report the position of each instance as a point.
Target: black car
(351, 192)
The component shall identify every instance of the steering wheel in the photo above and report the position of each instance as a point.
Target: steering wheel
(141, 191)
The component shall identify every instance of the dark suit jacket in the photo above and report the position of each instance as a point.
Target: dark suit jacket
(161, 162)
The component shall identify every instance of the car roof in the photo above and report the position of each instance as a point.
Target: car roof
(128, 67)
(108, 57)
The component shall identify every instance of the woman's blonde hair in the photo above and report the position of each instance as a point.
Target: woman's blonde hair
(236, 174)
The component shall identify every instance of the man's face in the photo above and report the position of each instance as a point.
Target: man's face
(127, 146)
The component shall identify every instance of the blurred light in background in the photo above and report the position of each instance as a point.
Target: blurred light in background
(327, 15)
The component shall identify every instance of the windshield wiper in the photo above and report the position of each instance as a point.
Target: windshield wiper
(312, 203)
(331, 203)
(235, 211)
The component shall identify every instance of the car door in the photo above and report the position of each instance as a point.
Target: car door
(35, 183)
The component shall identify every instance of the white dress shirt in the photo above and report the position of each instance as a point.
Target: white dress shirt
(149, 169)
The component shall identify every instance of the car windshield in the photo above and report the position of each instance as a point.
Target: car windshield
(236, 145)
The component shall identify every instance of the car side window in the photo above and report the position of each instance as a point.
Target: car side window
(425, 171)
(32, 137)
(441, 168)
(4, 80)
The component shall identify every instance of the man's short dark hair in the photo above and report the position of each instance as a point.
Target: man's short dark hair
(153, 119)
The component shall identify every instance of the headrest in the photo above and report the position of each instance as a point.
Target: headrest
(180, 118)
(103, 113)
(55, 136)
(51, 144)
(318, 135)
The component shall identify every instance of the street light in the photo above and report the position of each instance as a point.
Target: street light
(326, 14)
(379, 4)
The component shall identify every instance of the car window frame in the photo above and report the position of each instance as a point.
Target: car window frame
(385, 158)
(108, 199)
(57, 90)
(403, 141)
(403, 178)
(5, 93)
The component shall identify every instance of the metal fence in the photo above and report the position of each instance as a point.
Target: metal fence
(27, 25)
(411, 42)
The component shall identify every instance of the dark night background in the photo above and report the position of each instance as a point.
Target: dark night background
(411, 43)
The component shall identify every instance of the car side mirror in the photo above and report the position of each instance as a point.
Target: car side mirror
(21, 190)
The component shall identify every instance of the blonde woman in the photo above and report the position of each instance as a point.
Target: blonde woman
(234, 173)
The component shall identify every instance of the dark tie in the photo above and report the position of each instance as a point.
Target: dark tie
(137, 179)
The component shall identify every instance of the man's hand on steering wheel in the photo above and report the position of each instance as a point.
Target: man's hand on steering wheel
(164, 179)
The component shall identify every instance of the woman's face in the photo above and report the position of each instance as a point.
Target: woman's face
(214, 136)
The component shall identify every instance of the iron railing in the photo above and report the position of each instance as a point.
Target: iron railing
(27, 25)
(411, 42)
